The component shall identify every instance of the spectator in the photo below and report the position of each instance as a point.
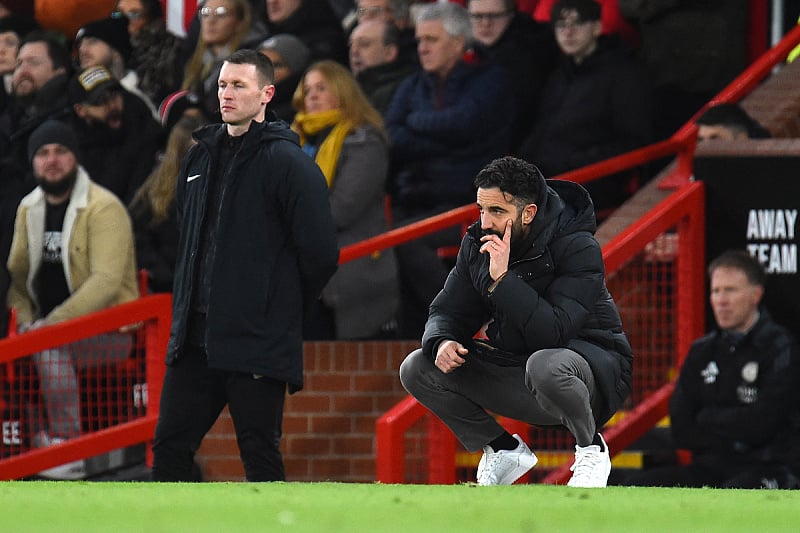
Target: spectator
(728, 122)
(311, 21)
(735, 404)
(155, 51)
(445, 123)
(290, 57)
(345, 135)
(395, 12)
(13, 28)
(239, 295)
(106, 43)
(118, 137)
(375, 61)
(155, 224)
(597, 103)
(39, 92)
(555, 353)
(691, 51)
(224, 28)
(72, 255)
(524, 47)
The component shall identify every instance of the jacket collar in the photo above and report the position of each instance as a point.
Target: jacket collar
(78, 198)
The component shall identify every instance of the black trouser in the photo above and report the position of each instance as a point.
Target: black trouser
(191, 400)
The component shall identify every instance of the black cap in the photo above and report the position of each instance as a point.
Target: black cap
(91, 85)
(112, 31)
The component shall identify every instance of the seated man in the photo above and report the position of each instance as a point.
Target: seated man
(728, 122)
(71, 255)
(596, 104)
(445, 123)
(376, 63)
(555, 353)
(117, 135)
(735, 405)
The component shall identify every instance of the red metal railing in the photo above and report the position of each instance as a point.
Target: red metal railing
(126, 419)
(680, 217)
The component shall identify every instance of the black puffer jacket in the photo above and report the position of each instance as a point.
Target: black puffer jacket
(275, 250)
(556, 297)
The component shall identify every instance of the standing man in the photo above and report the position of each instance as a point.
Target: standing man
(257, 245)
(735, 406)
(72, 255)
(555, 354)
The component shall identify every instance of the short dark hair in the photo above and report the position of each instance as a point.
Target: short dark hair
(56, 48)
(513, 176)
(733, 117)
(586, 9)
(740, 260)
(264, 67)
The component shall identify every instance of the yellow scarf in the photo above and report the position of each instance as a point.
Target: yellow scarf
(327, 157)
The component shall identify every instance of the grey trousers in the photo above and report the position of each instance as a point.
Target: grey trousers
(555, 387)
(58, 381)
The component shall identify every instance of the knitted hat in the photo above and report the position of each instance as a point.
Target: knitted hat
(52, 132)
(19, 24)
(293, 51)
(112, 31)
(88, 86)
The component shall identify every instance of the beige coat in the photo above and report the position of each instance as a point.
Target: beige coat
(97, 253)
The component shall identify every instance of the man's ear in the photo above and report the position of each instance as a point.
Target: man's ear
(268, 94)
(392, 54)
(529, 213)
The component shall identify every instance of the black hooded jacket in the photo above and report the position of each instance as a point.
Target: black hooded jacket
(554, 296)
(275, 250)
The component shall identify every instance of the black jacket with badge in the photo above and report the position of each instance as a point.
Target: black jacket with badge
(553, 296)
(739, 398)
(275, 250)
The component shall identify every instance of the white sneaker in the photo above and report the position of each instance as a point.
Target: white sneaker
(66, 472)
(592, 466)
(504, 467)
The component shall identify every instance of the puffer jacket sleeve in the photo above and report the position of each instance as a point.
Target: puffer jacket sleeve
(556, 316)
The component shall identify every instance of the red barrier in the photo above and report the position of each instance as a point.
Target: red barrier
(121, 417)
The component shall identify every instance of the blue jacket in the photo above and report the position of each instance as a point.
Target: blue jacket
(444, 131)
(275, 250)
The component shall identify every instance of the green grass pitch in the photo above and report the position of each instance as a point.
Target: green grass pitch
(118, 507)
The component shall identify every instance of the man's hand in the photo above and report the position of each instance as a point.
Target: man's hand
(449, 356)
(499, 251)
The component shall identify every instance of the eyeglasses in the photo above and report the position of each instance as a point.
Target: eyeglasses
(218, 12)
(488, 17)
(561, 25)
(130, 15)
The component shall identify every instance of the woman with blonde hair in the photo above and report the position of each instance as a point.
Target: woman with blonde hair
(224, 28)
(152, 209)
(344, 134)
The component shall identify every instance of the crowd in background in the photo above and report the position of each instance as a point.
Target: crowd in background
(399, 102)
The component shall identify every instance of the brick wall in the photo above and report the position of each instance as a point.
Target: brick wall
(329, 426)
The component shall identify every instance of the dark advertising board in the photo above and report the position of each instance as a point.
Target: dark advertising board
(752, 203)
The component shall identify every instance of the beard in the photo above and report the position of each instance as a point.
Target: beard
(60, 187)
(518, 231)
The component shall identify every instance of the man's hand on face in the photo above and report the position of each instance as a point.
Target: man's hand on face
(449, 356)
(499, 251)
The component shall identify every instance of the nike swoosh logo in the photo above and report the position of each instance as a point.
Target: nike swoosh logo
(192, 178)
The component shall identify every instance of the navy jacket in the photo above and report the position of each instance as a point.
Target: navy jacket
(275, 250)
(444, 131)
(554, 296)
